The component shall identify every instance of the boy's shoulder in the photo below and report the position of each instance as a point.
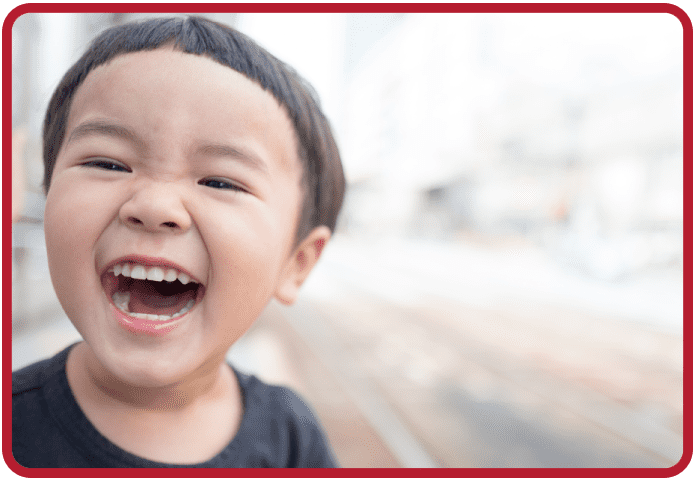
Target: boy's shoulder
(278, 421)
(39, 408)
(34, 376)
(279, 399)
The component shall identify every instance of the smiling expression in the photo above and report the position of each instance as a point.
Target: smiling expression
(171, 215)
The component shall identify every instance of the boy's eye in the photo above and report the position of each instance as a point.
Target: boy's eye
(221, 184)
(106, 165)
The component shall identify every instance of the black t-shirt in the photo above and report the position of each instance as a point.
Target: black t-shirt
(49, 429)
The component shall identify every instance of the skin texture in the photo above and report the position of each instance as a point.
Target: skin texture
(198, 168)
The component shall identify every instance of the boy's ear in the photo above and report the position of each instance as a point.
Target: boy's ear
(300, 264)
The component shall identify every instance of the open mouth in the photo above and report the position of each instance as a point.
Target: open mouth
(155, 293)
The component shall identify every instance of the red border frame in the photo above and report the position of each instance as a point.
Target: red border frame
(365, 8)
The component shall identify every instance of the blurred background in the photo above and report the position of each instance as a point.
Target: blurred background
(505, 286)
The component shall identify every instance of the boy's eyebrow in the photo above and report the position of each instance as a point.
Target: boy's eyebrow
(220, 150)
(101, 127)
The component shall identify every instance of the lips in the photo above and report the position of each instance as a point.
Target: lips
(154, 291)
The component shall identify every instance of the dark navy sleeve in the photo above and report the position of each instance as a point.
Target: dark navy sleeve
(312, 448)
(281, 430)
(37, 441)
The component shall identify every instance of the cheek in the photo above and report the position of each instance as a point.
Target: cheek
(69, 219)
(72, 223)
(247, 253)
(245, 262)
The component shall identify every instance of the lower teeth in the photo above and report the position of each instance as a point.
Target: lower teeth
(122, 299)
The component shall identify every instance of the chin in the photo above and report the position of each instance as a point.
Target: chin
(145, 362)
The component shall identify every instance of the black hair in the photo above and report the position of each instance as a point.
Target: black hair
(323, 179)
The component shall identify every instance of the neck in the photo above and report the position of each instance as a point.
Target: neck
(206, 407)
(206, 382)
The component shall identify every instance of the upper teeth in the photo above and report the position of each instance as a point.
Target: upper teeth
(157, 274)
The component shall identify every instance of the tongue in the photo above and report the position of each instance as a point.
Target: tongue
(144, 298)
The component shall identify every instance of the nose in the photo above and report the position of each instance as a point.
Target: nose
(156, 208)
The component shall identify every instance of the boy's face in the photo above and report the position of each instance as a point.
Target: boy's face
(172, 164)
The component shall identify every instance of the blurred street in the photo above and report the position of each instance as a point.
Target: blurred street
(408, 365)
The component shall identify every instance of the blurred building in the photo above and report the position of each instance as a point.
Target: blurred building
(503, 126)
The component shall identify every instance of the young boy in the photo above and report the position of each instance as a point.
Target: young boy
(190, 178)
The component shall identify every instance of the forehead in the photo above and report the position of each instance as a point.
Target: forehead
(185, 97)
